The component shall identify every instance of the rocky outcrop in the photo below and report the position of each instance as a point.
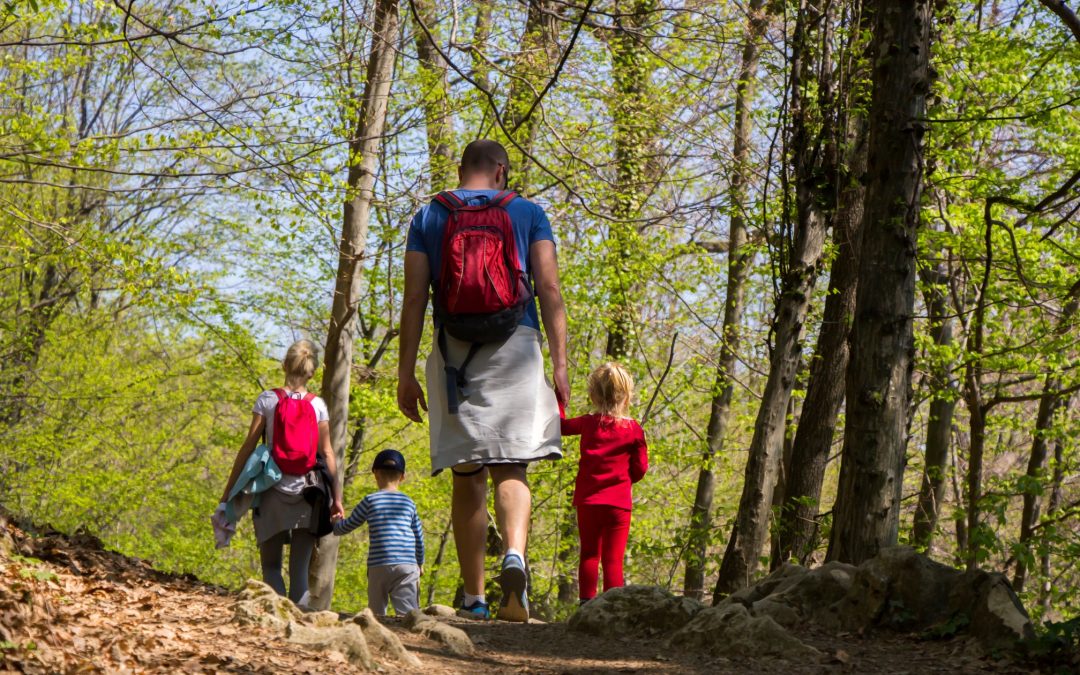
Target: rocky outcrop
(903, 590)
(899, 589)
(348, 640)
(440, 610)
(382, 640)
(259, 605)
(731, 631)
(643, 610)
(362, 641)
(453, 638)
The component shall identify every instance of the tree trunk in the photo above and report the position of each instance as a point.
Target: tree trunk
(363, 157)
(533, 65)
(752, 522)
(797, 531)
(741, 558)
(939, 426)
(738, 261)
(976, 452)
(634, 131)
(1052, 505)
(1049, 403)
(867, 510)
(436, 564)
(433, 72)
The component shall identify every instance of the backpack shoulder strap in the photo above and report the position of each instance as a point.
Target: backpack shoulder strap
(280, 394)
(450, 200)
(503, 199)
(309, 396)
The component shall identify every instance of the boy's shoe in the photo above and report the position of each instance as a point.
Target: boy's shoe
(477, 610)
(514, 581)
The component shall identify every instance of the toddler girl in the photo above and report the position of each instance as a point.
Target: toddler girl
(613, 455)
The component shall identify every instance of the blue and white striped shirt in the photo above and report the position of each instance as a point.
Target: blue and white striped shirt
(397, 537)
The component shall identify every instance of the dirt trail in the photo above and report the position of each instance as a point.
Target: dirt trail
(68, 606)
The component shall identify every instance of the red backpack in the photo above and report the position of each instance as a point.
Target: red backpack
(481, 292)
(296, 434)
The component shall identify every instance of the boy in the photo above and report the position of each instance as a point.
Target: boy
(396, 553)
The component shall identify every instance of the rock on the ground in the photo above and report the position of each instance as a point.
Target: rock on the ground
(634, 609)
(781, 577)
(898, 589)
(382, 640)
(805, 596)
(904, 590)
(731, 631)
(346, 639)
(453, 638)
(260, 605)
(997, 618)
(440, 610)
(321, 619)
(357, 641)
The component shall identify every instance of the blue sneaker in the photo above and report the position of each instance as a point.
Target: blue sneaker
(514, 581)
(477, 610)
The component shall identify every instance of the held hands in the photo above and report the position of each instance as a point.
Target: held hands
(409, 395)
(562, 385)
(337, 511)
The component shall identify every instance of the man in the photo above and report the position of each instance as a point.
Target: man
(508, 415)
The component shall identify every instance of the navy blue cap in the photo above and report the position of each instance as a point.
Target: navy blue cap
(389, 459)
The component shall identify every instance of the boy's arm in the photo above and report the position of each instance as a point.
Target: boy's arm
(357, 518)
(418, 530)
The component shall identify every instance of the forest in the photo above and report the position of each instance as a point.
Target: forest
(836, 243)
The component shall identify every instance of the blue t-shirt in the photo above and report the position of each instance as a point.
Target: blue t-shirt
(530, 225)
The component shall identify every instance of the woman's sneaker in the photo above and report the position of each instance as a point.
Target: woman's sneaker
(477, 610)
(514, 581)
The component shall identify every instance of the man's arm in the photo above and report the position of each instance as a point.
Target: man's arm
(545, 268)
(413, 307)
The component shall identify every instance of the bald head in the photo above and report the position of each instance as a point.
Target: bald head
(484, 162)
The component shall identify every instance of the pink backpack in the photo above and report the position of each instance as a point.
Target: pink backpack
(296, 434)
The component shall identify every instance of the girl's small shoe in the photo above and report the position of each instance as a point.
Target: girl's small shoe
(477, 610)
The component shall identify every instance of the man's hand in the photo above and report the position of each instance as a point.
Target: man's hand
(562, 386)
(409, 394)
(337, 511)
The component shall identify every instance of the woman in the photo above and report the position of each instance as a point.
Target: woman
(283, 516)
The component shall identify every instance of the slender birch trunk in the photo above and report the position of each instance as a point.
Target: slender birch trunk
(363, 162)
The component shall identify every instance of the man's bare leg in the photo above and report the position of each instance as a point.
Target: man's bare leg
(469, 515)
(513, 504)
(513, 507)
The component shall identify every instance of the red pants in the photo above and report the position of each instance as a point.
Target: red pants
(603, 531)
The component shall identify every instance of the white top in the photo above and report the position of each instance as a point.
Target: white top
(265, 406)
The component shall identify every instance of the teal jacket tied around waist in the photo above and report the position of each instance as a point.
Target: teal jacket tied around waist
(259, 475)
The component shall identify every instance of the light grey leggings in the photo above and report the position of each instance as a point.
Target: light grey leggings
(271, 553)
